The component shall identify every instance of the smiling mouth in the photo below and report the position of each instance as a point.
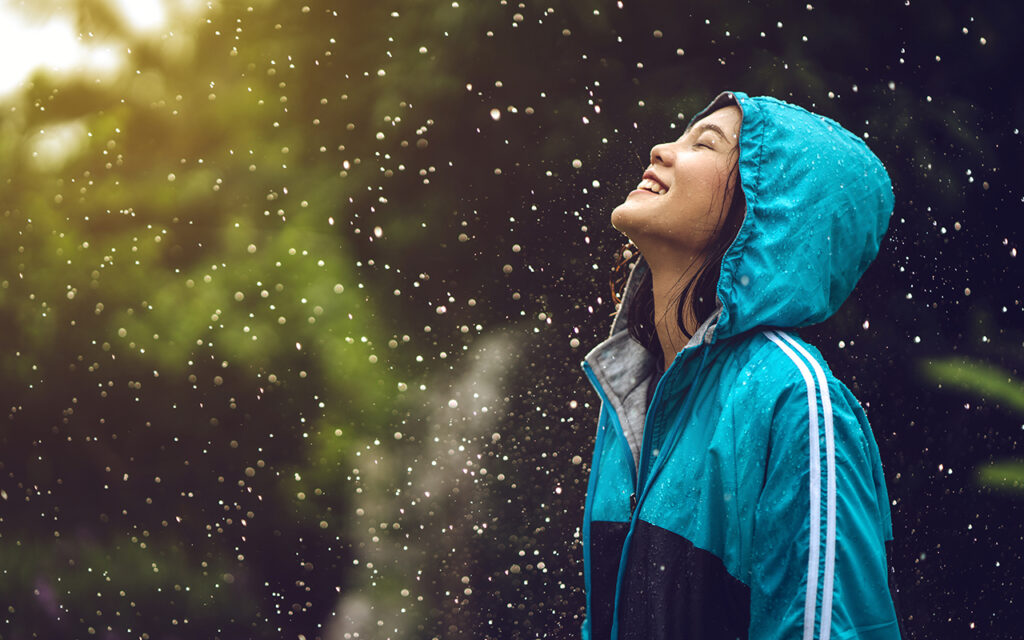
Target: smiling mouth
(651, 185)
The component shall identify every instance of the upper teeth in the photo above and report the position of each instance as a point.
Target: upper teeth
(651, 185)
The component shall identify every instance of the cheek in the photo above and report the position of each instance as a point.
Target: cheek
(711, 181)
(692, 196)
(696, 179)
(708, 186)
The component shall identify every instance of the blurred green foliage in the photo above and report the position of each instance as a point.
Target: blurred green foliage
(1008, 475)
(980, 379)
(188, 347)
(988, 383)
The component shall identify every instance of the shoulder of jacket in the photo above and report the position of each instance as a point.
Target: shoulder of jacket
(776, 363)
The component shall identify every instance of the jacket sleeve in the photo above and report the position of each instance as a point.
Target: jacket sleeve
(818, 563)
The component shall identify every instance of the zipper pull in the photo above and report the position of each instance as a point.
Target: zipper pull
(632, 505)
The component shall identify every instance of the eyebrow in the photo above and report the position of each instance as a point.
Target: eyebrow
(710, 126)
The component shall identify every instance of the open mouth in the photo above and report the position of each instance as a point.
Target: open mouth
(653, 186)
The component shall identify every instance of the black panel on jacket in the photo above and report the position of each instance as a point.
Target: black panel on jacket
(674, 590)
(606, 539)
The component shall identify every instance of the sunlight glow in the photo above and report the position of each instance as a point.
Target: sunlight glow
(52, 146)
(26, 46)
(53, 44)
(143, 15)
(29, 42)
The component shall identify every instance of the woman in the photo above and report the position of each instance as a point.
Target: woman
(736, 489)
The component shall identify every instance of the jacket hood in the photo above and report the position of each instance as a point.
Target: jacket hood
(818, 203)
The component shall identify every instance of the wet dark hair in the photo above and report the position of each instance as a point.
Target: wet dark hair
(703, 285)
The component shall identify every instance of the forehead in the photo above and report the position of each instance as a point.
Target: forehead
(728, 119)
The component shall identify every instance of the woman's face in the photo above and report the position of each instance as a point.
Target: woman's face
(683, 193)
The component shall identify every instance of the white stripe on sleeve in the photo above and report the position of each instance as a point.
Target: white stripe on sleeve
(830, 484)
(813, 551)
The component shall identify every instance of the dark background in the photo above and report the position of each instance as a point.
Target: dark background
(292, 320)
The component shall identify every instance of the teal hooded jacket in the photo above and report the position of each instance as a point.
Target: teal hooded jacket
(747, 499)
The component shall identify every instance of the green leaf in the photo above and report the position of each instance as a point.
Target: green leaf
(981, 379)
(1005, 474)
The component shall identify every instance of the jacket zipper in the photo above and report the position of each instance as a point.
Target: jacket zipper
(639, 479)
(646, 443)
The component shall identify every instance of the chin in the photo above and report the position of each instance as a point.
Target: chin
(632, 222)
(620, 219)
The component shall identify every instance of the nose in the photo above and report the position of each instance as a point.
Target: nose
(662, 154)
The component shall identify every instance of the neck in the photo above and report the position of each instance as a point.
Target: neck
(667, 281)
